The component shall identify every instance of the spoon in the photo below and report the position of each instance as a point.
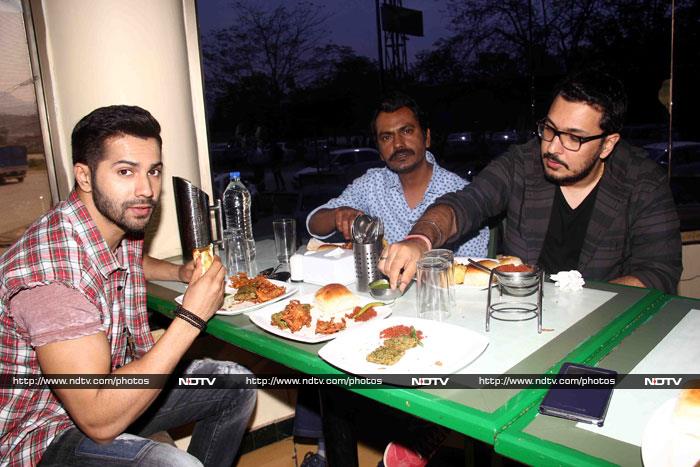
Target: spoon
(376, 231)
(360, 227)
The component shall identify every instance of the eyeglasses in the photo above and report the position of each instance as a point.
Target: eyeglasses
(568, 140)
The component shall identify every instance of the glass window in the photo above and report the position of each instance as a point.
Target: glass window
(310, 76)
(24, 184)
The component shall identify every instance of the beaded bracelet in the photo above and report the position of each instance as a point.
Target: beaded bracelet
(190, 317)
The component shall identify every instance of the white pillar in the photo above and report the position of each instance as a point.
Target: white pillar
(102, 52)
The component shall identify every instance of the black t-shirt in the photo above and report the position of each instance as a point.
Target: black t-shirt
(565, 234)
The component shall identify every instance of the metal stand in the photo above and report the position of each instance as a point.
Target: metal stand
(514, 311)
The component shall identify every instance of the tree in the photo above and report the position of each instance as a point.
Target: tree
(280, 46)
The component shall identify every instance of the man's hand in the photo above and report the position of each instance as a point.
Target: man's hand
(205, 293)
(344, 217)
(398, 261)
(184, 272)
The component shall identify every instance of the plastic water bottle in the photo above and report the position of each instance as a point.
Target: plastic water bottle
(237, 202)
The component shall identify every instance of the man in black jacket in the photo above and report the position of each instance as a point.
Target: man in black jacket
(576, 198)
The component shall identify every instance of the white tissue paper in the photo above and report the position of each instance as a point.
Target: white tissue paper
(568, 280)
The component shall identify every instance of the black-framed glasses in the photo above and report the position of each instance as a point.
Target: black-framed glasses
(568, 140)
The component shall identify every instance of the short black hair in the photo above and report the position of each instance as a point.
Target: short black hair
(600, 90)
(394, 101)
(91, 132)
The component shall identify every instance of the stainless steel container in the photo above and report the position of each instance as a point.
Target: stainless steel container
(519, 284)
(194, 218)
(366, 261)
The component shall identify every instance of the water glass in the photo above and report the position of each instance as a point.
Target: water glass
(285, 231)
(237, 252)
(450, 257)
(433, 288)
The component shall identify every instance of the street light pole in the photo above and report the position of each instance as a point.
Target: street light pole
(380, 49)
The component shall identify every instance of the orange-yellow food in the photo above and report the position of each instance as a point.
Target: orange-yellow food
(329, 327)
(263, 289)
(295, 316)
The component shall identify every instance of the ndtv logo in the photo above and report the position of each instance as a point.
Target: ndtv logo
(662, 381)
(429, 381)
(196, 381)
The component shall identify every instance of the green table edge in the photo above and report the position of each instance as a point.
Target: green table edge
(477, 424)
(513, 442)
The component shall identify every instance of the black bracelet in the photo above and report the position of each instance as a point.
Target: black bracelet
(190, 317)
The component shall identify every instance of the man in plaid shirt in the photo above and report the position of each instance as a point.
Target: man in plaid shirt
(73, 301)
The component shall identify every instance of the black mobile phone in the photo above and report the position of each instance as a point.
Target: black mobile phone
(584, 404)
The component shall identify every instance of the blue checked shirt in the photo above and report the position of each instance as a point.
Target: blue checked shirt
(379, 193)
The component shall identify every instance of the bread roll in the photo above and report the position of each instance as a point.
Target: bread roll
(514, 260)
(334, 299)
(475, 277)
(458, 271)
(686, 415)
(207, 256)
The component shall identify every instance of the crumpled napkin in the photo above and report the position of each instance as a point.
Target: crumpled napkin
(568, 280)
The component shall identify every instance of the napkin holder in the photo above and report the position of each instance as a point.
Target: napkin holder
(326, 267)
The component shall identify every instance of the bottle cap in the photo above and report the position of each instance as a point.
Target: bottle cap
(232, 175)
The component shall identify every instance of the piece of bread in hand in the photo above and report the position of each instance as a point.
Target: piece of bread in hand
(334, 299)
(206, 256)
(686, 415)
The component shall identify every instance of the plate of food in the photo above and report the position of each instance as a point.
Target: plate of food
(320, 317)
(244, 294)
(401, 345)
(672, 435)
(469, 277)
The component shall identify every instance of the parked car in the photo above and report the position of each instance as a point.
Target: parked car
(350, 163)
(460, 138)
(290, 154)
(506, 137)
(316, 150)
(13, 163)
(685, 159)
(685, 171)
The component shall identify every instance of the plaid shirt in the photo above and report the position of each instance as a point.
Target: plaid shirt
(65, 247)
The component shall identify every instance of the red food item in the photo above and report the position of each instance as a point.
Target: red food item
(514, 268)
(400, 330)
(368, 314)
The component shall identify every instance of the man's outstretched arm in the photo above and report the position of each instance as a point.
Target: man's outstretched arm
(433, 229)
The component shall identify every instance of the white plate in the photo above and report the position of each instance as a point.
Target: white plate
(663, 444)
(446, 348)
(242, 307)
(262, 317)
(464, 260)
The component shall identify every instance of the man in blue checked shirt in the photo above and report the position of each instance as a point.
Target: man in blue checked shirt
(400, 192)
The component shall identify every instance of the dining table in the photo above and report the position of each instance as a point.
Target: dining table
(638, 429)
(588, 326)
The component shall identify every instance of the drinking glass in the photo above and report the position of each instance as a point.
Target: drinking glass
(285, 231)
(433, 288)
(449, 256)
(237, 252)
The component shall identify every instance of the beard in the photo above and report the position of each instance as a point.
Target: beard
(116, 213)
(402, 170)
(575, 177)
